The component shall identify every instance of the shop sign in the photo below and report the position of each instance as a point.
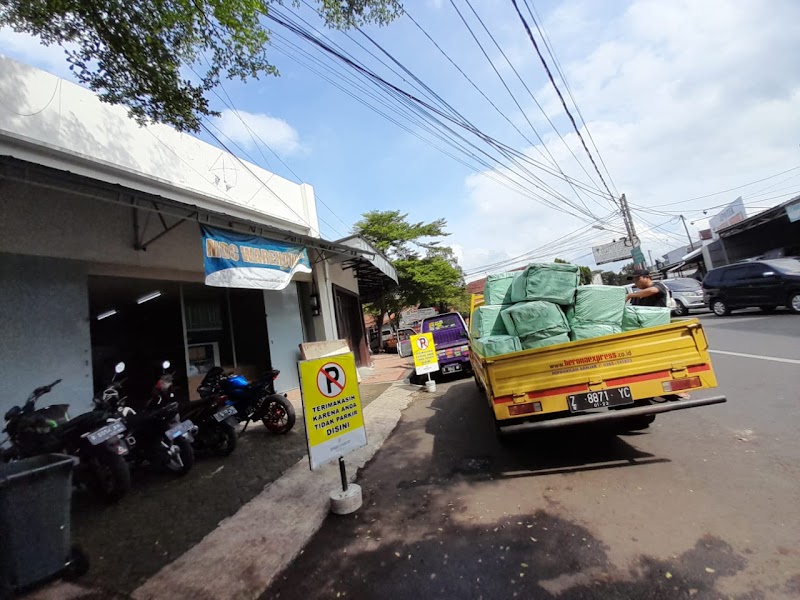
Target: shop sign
(331, 408)
(238, 260)
(424, 351)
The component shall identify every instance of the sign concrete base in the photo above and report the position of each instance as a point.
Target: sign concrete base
(346, 502)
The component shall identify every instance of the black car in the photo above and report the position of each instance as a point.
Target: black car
(765, 284)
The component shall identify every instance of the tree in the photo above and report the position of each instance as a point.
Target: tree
(428, 273)
(136, 52)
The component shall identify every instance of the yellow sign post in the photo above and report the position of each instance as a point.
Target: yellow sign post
(424, 351)
(331, 408)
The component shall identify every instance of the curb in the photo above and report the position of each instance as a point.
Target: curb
(243, 555)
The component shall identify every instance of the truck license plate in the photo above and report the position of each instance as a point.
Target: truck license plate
(600, 399)
(451, 369)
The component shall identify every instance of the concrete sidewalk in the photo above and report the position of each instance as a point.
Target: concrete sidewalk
(386, 368)
(240, 558)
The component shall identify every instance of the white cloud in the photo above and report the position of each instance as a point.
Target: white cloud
(682, 98)
(249, 129)
(30, 50)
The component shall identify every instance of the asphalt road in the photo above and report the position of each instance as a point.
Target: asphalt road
(703, 504)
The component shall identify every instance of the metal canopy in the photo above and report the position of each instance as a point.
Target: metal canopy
(692, 255)
(21, 171)
(375, 274)
(771, 214)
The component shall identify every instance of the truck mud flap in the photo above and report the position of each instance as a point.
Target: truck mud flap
(610, 415)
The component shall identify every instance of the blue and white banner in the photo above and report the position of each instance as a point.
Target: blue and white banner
(238, 260)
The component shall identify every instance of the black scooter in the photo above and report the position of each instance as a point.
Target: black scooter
(95, 438)
(156, 435)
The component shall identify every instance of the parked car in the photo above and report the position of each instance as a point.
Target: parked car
(765, 284)
(688, 295)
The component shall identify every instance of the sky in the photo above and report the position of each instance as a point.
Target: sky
(679, 100)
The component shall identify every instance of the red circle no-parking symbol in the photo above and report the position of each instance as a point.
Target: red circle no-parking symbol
(331, 380)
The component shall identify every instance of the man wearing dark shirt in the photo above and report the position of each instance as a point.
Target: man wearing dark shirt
(649, 293)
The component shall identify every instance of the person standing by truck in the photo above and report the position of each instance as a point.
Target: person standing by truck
(650, 293)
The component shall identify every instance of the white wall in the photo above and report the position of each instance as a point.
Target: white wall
(75, 131)
(44, 328)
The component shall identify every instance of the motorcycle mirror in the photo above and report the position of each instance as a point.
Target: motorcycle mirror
(166, 364)
(119, 368)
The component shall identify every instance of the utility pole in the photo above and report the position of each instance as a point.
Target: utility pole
(691, 243)
(636, 251)
(650, 252)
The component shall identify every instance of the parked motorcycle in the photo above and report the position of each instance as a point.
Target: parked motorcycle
(252, 400)
(216, 424)
(213, 418)
(156, 434)
(95, 438)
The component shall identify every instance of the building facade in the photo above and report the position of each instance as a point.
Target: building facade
(103, 256)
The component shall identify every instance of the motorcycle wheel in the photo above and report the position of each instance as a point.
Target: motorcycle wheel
(278, 414)
(224, 439)
(110, 476)
(181, 462)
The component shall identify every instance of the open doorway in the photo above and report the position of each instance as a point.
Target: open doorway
(138, 322)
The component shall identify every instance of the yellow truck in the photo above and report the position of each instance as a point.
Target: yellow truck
(628, 377)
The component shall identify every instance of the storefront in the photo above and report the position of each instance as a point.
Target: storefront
(773, 233)
(117, 243)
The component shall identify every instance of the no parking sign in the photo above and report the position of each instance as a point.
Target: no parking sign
(331, 408)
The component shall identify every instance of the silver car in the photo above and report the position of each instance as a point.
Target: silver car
(688, 295)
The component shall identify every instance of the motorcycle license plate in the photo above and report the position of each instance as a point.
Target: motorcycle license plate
(105, 433)
(454, 368)
(180, 430)
(226, 412)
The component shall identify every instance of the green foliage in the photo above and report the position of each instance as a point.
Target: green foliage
(136, 52)
(428, 273)
(391, 233)
(621, 278)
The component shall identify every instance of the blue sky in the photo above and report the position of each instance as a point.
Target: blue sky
(682, 98)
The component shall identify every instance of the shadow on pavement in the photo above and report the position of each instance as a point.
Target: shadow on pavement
(415, 537)
(531, 454)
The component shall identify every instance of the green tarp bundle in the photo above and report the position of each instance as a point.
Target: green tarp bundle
(539, 319)
(495, 345)
(486, 321)
(593, 330)
(546, 282)
(638, 317)
(598, 304)
(531, 342)
(497, 289)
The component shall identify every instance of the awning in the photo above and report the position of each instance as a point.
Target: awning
(692, 255)
(375, 274)
(676, 267)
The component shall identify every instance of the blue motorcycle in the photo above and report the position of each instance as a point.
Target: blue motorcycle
(253, 401)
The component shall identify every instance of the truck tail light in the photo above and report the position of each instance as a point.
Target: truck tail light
(524, 409)
(677, 385)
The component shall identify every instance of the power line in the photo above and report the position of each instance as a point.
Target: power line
(413, 101)
(551, 52)
(535, 101)
(561, 97)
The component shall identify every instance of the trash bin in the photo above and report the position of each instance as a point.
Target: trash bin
(35, 497)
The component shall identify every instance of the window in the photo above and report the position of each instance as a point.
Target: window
(734, 275)
(755, 271)
(790, 266)
(682, 285)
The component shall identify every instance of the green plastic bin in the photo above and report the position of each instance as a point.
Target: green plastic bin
(35, 498)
